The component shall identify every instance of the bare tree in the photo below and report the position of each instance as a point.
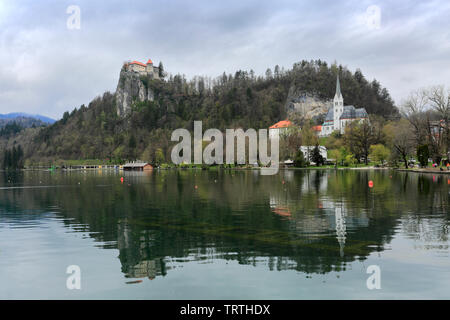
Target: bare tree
(413, 109)
(403, 141)
(428, 111)
(439, 100)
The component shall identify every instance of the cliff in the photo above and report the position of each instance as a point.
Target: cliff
(305, 105)
(131, 88)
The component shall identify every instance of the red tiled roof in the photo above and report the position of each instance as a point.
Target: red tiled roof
(139, 63)
(282, 211)
(149, 61)
(317, 128)
(281, 124)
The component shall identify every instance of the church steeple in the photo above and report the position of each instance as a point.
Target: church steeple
(338, 88)
(338, 104)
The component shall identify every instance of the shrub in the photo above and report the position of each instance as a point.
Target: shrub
(423, 154)
(299, 160)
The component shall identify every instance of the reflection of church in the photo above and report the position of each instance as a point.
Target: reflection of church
(341, 229)
(330, 215)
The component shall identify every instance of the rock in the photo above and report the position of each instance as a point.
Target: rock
(130, 89)
(305, 105)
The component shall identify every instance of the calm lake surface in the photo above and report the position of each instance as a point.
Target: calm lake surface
(192, 234)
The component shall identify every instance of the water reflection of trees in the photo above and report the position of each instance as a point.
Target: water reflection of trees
(310, 221)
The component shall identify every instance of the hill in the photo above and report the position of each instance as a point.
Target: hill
(20, 115)
(108, 129)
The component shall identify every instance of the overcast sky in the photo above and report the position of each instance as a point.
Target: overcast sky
(48, 68)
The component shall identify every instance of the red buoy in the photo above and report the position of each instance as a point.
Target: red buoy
(370, 184)
(121, 179)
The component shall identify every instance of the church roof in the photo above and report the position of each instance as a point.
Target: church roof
(149, 61)
(330, 115)
(361, 113)
(349, 112)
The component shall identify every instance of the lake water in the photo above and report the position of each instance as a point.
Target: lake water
(193, 234)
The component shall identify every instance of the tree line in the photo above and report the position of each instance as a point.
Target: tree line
(243, 100)
(422, 133)
(13, 158)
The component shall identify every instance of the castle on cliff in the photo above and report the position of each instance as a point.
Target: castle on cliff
(143, 69)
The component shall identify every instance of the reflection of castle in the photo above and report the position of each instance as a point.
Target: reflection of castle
(134, 254)
(144, 269)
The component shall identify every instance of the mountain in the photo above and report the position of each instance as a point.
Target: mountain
(12, 116)
(137, 120)
(22, 122)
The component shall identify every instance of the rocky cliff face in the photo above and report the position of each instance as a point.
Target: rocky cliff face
(130, 89)
(306, 106)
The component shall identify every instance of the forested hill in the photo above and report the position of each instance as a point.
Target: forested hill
(240, 100)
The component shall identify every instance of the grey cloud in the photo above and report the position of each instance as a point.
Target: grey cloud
(49, 69)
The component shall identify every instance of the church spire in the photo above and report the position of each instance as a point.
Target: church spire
(338, 87)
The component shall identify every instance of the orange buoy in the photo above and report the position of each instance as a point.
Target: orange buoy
(448, 181)
(370, 184)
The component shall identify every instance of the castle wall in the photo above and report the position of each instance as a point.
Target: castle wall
(147, 70)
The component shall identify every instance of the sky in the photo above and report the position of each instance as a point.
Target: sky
(53, 59)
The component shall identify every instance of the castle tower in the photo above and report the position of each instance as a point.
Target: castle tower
(149, 66)
(338, 106)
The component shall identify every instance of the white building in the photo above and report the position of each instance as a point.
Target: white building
(308, 150)
(281, 127)
(339, 115)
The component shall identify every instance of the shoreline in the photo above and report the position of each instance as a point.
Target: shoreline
(206, 169)
(416, 170)
(425, 171)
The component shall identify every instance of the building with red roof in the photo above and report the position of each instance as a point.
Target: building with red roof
(317, 129)
(142, 68)
(282, 124)
(281, 127)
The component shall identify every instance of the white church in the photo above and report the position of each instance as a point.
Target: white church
(339, 115)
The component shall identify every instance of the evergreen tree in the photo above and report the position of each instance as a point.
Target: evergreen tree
(132, 146)
(161, 73)
(317, 157)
